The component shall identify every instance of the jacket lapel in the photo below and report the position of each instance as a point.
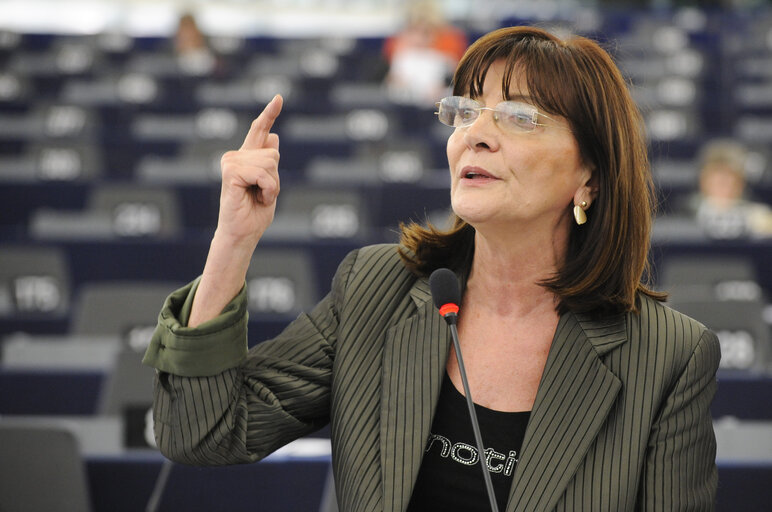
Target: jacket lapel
(414, 357)
(576, 394)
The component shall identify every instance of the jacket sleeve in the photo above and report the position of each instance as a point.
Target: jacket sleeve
(680, 472)
(216, 403)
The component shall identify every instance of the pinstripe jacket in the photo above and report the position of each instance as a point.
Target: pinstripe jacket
(621, 419)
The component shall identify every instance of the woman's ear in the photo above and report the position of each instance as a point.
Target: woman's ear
(588, 190)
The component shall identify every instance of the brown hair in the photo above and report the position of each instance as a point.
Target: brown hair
(607, 257)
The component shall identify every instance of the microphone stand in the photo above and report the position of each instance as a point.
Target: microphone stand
(451, 319)
(160, 485)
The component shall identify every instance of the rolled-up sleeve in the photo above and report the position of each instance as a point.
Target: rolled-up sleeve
(217, 402)
(208, 349)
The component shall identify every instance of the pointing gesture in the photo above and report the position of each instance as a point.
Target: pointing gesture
(250, 180)
(259, 132)
(250, 185)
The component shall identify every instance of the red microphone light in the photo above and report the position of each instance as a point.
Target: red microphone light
(448, 308)
(445, 293)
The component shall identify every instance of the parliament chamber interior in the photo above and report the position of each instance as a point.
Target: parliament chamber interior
(110, 146)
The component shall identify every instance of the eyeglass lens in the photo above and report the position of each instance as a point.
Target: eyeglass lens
(459, 111)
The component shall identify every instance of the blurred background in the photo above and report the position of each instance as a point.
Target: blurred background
(113, 118)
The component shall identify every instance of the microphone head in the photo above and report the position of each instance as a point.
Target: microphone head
(444, 285)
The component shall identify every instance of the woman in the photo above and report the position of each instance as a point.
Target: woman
(592, 395)
(423, 54)
(720, 205)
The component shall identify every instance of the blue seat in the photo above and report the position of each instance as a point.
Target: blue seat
(743, 396)
(113, 211)
(131, 483)
(49, 392)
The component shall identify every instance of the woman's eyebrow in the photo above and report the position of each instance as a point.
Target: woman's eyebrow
(519, 97)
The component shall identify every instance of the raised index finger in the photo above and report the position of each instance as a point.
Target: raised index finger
(261, 126)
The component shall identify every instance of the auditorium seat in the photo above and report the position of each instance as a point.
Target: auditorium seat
(66, 55)
(748, 54)
(109, 379)
(53, 162)
(669, 229)
(34, 281)
(196, 163)
(743, 440)
(200, 125)
(114, 89)
(50, 122)
(113, 211)
(10, 41)
(309, 213)
(15, 90)
(42, 470)
(163, 63)
(393, 161)
(742, 396)
(359, 95)
(740, 327)
(355, 170)
(338, 135)
(354, 125)
(675, 181)
(754, 128)
(246, 93)
(281, 283)
(724, 293)
(127, 394)
(47, 392)
(73, 352)
(128, 309)
(717, 277)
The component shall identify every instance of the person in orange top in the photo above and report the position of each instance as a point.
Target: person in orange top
(423, 56)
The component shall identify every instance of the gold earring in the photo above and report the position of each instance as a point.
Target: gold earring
(579, 215)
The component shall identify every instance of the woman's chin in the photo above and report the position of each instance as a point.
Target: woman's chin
(474, 216)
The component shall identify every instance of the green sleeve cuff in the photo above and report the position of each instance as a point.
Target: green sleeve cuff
(202, 351)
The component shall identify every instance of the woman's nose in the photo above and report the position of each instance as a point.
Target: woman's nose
(483, 133)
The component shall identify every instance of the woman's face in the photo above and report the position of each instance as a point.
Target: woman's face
(501, 179)
(721, 185)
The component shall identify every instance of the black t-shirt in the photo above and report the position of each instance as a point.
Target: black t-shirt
(450, 478)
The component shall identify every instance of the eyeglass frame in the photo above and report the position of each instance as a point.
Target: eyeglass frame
(496, 111)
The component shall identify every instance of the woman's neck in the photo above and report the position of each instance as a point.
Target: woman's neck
(506, 273)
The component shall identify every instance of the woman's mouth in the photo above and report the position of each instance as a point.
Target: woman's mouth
(476, 173)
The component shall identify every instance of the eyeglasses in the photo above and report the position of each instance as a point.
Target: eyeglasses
(514, 116)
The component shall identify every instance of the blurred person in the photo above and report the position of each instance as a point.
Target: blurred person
(591, 393)
(422, 56)
(721, 207)
(194, 56)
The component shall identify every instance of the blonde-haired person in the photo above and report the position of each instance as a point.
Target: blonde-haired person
(721, 207)
(591, 394)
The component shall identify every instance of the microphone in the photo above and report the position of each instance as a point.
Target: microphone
(447, 296)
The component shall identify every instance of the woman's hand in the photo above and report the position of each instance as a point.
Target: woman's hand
(250, 185)
(250, 181)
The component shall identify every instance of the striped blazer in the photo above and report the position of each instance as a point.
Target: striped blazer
(621, 420)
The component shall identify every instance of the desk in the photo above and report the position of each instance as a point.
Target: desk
(276, 484)
(295, 484)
